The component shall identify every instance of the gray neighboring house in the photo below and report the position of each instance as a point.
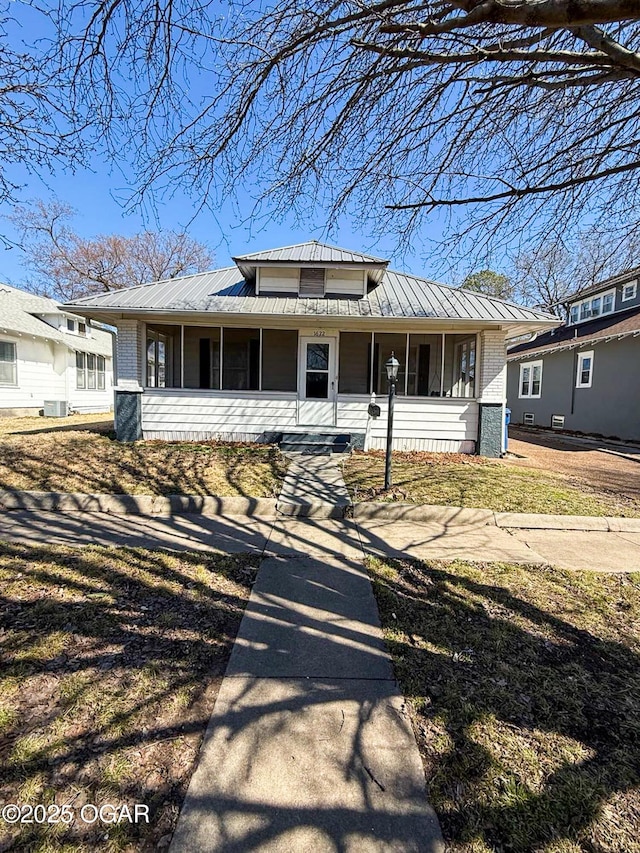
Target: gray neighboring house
(583, 376)
(290, 345)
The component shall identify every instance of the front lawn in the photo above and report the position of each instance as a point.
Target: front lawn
(91, 460)
(523, 686)
(111, 661)
(455, 479)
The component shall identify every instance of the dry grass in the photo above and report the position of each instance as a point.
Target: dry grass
(524, 690)
(111, 662)
(68, 459)
(453, 479)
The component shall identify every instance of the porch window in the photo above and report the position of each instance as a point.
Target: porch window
(157, 356)
(8, 363)
(425, 365)
(531, 379)
(241, 359)
(354, 367)
(384, 345)
(460, 366)
(202, 357)
(279, 360)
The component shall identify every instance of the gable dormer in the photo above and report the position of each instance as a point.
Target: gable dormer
(311, 270)
(608, 297)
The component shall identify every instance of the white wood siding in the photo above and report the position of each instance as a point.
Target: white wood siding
(233, 415)
(337, 281)
(279, 279)
(46, 371)
(347, 282)
(420, 424)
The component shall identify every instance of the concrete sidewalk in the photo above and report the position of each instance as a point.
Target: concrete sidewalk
(449, 539)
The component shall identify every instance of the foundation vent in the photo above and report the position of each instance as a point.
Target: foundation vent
(528, 418)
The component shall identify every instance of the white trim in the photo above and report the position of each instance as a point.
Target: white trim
(582, 356)
(589, 300)
(634, 290)
(529, 366)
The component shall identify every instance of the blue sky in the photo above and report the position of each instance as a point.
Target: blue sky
(99, 194)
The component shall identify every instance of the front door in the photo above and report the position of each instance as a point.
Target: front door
(317, 382)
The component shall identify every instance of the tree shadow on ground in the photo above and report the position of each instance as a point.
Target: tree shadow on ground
(111, 659)
(525, 689)
(83, 461)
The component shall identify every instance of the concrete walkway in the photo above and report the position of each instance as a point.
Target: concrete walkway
(313, 485)
(310, 747)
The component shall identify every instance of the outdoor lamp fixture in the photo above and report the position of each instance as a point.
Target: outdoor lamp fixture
(391, 366)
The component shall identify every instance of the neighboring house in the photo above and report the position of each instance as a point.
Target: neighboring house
(50, 354)
(290, 344)
(583, 376)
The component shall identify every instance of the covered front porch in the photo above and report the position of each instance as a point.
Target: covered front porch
(241, 383)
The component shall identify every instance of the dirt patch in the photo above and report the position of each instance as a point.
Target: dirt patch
(111, 661)
(605, 472)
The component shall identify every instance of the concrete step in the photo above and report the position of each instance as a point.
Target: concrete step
(318, 443)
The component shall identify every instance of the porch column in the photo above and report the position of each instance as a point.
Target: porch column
(492, 393)
(128, 390)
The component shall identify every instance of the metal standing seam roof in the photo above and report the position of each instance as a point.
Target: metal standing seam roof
(18, 316)
(398, 295)
(311, 252)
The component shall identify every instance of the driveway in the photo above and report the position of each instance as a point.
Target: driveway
(598, 465)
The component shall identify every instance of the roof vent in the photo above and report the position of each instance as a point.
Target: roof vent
(311, 281)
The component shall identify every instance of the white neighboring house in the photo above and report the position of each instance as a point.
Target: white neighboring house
(50, 354)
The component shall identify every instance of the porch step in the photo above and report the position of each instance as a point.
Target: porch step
(315, 442)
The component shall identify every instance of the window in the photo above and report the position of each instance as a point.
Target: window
(585, 369)
(81, 379)
(311, 281)
(592, 307)
(629, 291)
(82, 328)
(8, 363)
(90, 371)
(71, 325)
(531, 379)
(101, 366)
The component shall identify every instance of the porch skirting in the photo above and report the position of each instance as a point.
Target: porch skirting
(443, 425)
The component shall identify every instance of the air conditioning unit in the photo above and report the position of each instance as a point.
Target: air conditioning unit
(55, 408)
(557, 421)
(528, 418)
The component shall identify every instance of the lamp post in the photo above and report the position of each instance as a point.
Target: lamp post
(392, 366)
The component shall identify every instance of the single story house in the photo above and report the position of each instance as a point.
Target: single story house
(291, 343)
(583, 376)
(49, 354)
